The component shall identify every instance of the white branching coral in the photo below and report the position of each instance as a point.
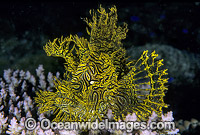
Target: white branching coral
(16, 98)
(22, 107)
(14, 127)
(153, 118)
(40, 74)
(3, 122)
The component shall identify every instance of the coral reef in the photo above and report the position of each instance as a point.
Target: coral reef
(172, 29)
(100, 82)
(16, 98)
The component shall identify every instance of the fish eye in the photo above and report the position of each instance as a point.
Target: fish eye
(91, 82)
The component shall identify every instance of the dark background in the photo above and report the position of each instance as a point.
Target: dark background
(26, 26)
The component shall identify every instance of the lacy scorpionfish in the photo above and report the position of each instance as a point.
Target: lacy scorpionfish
(99, 76)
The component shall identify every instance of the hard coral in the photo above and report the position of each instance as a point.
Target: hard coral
(99, 76)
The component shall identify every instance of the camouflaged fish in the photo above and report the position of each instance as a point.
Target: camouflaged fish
(99, 76)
